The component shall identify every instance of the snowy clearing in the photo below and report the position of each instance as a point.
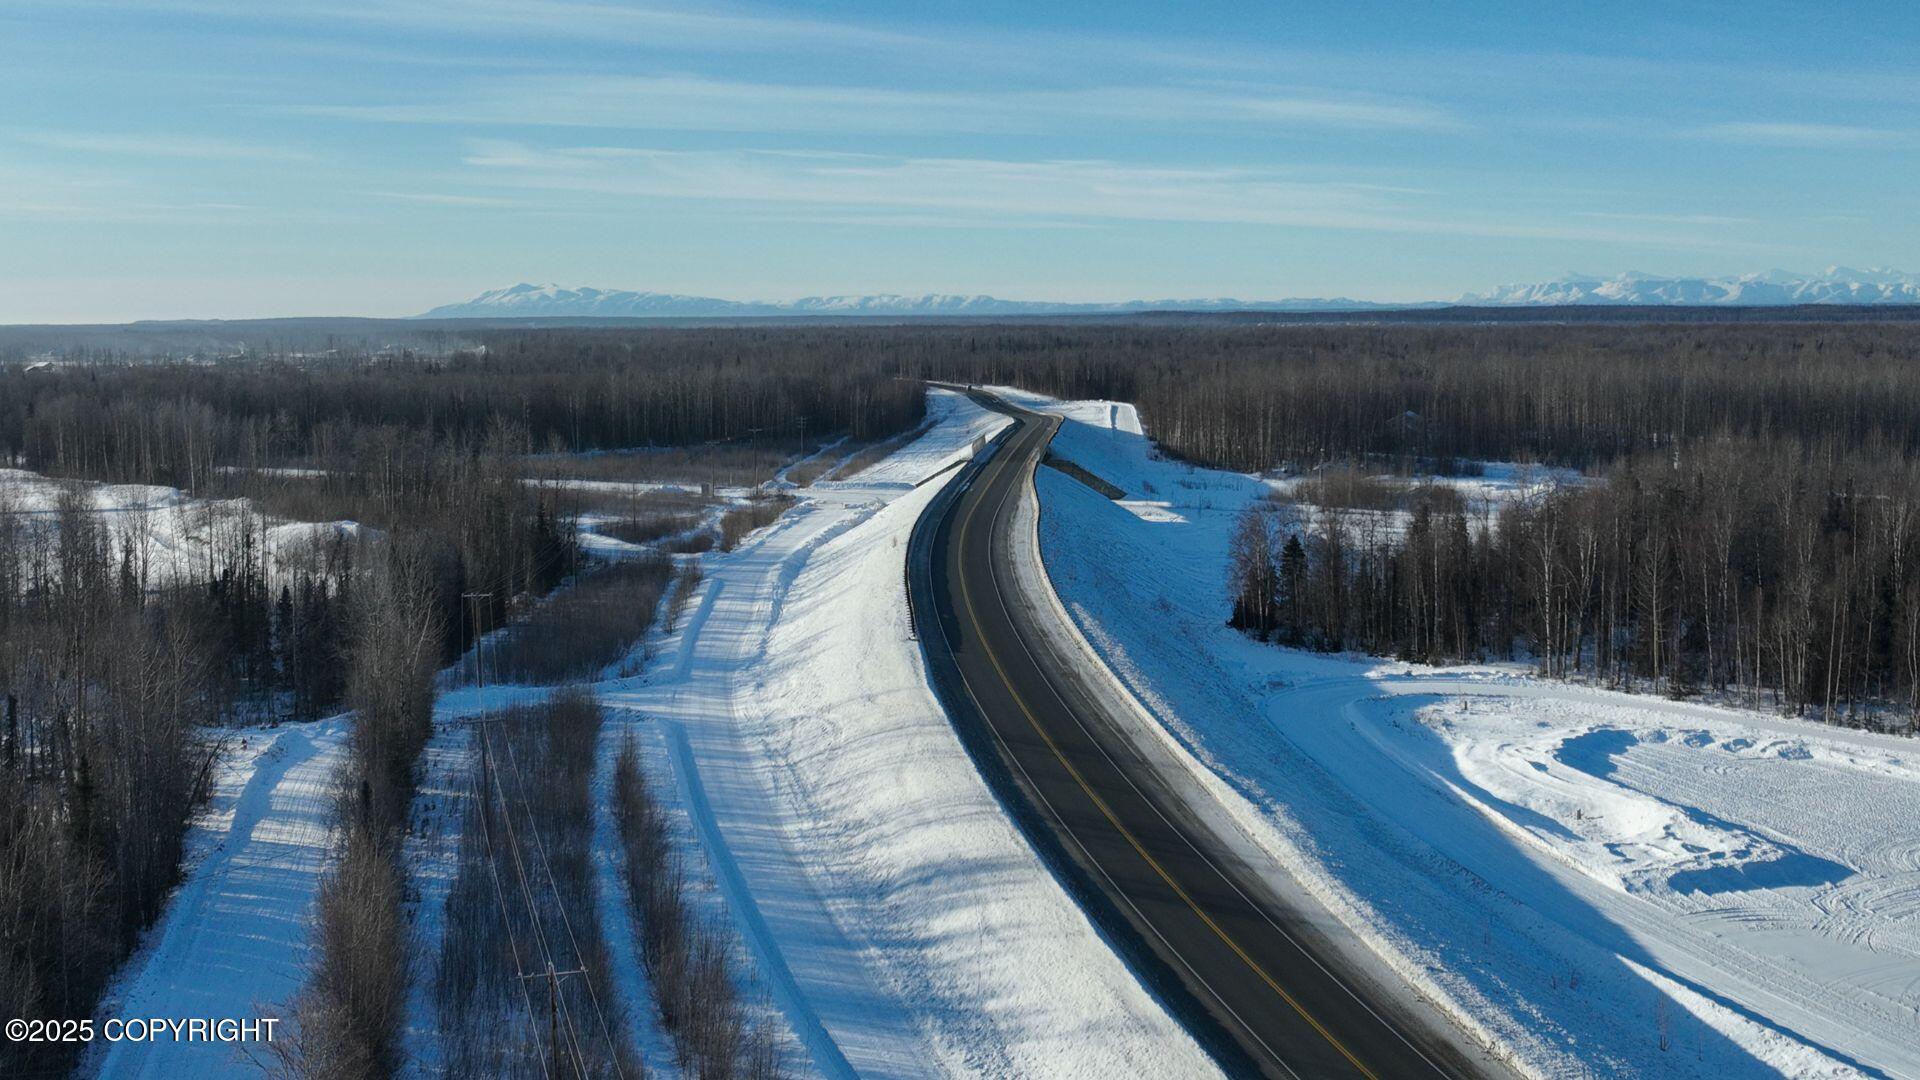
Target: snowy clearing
(1593, 882)
(172, 534)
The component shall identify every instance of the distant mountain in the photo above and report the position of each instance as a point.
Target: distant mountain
(553, 301)
(1837, 285)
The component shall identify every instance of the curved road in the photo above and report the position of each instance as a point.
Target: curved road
(1200, 929)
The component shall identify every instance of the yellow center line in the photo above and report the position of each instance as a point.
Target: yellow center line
(966, 596)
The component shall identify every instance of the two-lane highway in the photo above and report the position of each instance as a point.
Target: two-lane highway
(1201, 929)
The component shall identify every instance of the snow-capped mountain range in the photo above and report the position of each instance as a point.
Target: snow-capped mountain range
(1837, 285)
(553, 301)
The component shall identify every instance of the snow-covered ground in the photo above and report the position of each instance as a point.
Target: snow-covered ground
(174, 535)
(639, 488)
(1595, 883)
(233, 941)
(892, 917)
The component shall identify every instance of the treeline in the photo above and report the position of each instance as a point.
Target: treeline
(177, 423)
(485, 544)
(486, 541)
(1253, 398)
(105, 691)
(439, 447)
(1241, 396)
(1792, 582)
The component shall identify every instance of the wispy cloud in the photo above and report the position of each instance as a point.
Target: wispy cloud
(43, 209)
(1666, 219)
(891, 220)
(1809, 135)
(652, 25)
(704, 104)
(989, 190)
(441, 198)
(41, 194)
(693, 26)
(160, 146)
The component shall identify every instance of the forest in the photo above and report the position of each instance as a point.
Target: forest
(1772, 582)
(1745, 521)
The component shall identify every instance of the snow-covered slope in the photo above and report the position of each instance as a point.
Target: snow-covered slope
(553, 301)
(895, 916)
(1836, 285)
(1598, 883)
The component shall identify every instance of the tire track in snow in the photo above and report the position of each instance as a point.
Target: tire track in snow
(233, 940)
(768, 955)
(801, 952)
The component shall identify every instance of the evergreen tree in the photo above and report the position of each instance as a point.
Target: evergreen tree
(1293, 591)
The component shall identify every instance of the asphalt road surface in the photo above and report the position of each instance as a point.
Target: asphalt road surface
(1248, 977)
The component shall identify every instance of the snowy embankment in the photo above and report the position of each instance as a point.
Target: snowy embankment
(1593, 882)
(895, 917)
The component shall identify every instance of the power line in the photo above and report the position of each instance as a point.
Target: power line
(533, 913)
(540, 849)
(545, 866)
(500, 895)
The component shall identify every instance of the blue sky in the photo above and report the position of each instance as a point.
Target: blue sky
(231, 158)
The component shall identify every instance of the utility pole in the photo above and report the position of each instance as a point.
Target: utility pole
(473, 605)
(553, 977)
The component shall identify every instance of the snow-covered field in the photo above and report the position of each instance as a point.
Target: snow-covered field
(1595, 883)
(891, 916)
